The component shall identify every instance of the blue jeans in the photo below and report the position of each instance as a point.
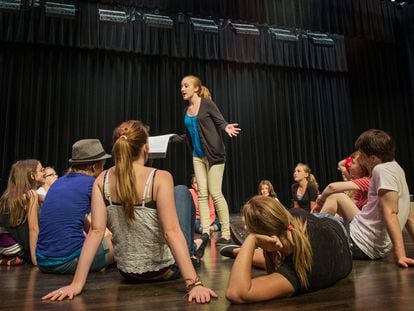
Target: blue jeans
(99, 262)
(186, 214)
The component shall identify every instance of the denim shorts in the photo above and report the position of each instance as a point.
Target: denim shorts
(100, 261)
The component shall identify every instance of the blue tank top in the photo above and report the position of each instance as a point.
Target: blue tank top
(191, 122)
(62, 216)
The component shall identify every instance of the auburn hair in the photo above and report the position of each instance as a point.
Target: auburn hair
(128, 140)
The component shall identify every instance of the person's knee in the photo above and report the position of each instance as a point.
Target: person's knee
(181, 193)
(216, 195)
(181, 190)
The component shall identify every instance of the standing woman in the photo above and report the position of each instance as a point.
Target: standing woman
(305, 189)
(19, 227)
(204, 123)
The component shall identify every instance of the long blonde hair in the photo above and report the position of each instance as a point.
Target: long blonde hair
(16, 198)
(264, 215)
(203, 91)
(128, 140)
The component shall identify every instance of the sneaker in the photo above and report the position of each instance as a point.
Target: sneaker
(227, 251)
(223, 241)
(199, 253)
(238, 233)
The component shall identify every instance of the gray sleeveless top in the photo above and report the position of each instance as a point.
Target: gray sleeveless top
(140, 246)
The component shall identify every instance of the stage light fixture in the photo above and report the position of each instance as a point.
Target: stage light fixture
(113, 16)
(204, 25)
(10, 5)
(284, 34)
(60, 9)
(245, 29)
(320, 39)
(158, 21)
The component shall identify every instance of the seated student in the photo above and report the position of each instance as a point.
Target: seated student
(63, 217)
(214, 223)
(19, 213)
(238, 233)
(344, 165)
(301, 253)
(137, 204)
(50, 177)
(334, 193)
(305, 189)
(377, 228)
(266, 188)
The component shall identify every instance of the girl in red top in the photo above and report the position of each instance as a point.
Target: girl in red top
(360, 171)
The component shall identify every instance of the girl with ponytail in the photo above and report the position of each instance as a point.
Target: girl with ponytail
(139, 206)
(300, 252)
(305, 190)
(204, 124)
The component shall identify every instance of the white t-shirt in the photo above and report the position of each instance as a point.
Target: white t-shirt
(368, 229)
(41, 191)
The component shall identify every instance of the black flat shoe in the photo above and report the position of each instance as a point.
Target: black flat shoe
(196, 262)
(199, 253)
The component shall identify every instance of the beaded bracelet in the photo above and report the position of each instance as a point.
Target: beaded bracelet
(194, 283)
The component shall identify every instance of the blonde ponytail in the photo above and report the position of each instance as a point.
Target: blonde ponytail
(205, 92)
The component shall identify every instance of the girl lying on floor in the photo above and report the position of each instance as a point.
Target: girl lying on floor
(300, 251)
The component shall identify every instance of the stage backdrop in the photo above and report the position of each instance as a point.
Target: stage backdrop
(66, 79)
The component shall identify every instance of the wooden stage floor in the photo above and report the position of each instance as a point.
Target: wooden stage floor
(372, 285)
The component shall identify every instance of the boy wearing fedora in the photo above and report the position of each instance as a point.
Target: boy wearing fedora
(63, 217)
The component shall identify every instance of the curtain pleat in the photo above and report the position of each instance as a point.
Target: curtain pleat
(86, 31)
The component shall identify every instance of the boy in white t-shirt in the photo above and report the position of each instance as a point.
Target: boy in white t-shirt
(377, 228)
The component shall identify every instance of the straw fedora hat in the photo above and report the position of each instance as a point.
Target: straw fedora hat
(88, 150)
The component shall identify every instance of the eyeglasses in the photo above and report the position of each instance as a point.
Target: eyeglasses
(40, 171)
(56, 175)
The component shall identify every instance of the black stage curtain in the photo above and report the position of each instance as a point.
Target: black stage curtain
(86, 31)
(53, 96)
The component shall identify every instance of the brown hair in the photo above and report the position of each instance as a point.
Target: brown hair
(17, 195)
(128, 140)
(264, 215)
(272, 191)
(361, 159)
(378, 143)
(311, 178)
(88, 167)
(203, 91)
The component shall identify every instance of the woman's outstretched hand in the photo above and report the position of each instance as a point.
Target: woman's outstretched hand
(201, 294)
(69, 292)
(232, 129)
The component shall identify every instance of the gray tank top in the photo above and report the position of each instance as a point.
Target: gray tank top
(140, 246)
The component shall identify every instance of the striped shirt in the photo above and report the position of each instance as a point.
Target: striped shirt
(361, 195)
